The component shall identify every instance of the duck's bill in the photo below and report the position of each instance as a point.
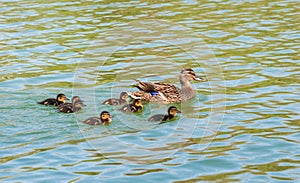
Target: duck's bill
(178, 111)
(199, 79)
(67, 99)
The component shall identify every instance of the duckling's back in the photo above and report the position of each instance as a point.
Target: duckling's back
(111, 101)
(93, 121)
(65, 108)
(157, 117)
(49, 101)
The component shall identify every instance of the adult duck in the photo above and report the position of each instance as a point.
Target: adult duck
(168, 93)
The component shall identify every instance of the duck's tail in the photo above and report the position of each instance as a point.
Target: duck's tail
(144, 86)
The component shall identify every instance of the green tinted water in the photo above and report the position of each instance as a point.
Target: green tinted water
(243, 126)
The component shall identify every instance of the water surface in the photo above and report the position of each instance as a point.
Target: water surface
(243, 125)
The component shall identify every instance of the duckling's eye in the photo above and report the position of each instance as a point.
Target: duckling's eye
(173, 111)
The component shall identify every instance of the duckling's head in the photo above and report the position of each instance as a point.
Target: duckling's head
(105, 117)
(137, 103)
(76, 99)
(123, 95)
(78, 105)
(173, 110)
(189, 75)
(61, 98)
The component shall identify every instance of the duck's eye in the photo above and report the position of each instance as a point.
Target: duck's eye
(192, 73)
(173, 111)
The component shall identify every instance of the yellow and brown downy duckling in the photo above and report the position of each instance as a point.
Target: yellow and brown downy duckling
(60, 99)
(168, 93)
(103, 119)
(116, 101)
(135, 106)
(75, 106)
(165, 117)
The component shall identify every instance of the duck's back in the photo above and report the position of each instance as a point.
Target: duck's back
(158, 92)
(126, 108)
(130, 108)
(93, 121)
(112, 101)
(166, 88)
(49, 101)
(157, 117)
(65, 108)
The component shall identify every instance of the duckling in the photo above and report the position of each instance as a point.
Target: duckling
(162, 117)
(116, 101)
(75, 106)
(135, 106)
(103, 119)
(60, 99)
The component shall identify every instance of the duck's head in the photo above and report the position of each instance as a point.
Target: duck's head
(105, 117)
(189, 75)
(123, 95)
(76, 99)
(137, 103)
(173, 110)
(78, 105)
(61, 98)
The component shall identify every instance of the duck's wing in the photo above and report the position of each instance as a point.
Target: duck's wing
(111, 101)
(126, 108)
(156, 117)
(65, 108)
(49, 101)
(93, 121)
(168, 92)
(144, 86)
(156, 92)
(140, 95)
(156, 87)
(166, 88)
(157, 97)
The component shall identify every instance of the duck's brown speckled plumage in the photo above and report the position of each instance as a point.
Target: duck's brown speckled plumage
(167, 93)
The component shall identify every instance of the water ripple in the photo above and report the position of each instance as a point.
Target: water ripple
(44, 45)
